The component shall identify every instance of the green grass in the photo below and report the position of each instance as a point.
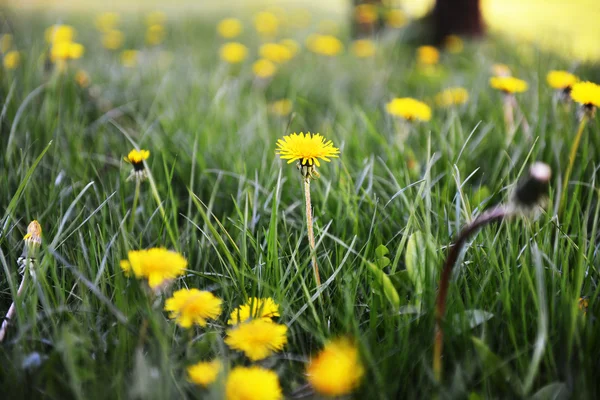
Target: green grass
(236, 212)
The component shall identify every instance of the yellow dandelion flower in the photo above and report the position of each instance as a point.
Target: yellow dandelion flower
(508, 84)
(34, 233)
(586, 93)
(561, 79)
(107, 21)
(155, 34)
(264, 68)
(5, 42)
(257, 339)
(282, 107)
(12, 59)
(158, 265)
(291, 45)
(193, 307)
(266, 23)
(583, 305)
(454, 44)
(363, 48)
(337, 369)
(113, 39)
(366, 14)
(82, 78)
(233, 52)
(264, 309)
(136, 158)
(428, 55)
(396, 19)
(326, 45)
(65, 51)
(275, 52)
(501, 70)
(252, 383)
(156, 18)
(306, 148)
(129, 58)
(452, 96)
(204, 373)
(409, 109)
(229, 28)
(60, 33)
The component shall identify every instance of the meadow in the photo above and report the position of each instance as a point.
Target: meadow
(521, 317)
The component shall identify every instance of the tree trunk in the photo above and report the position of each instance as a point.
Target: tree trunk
(457, 17)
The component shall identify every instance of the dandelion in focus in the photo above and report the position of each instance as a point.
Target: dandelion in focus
(229, 28)
(264, 68)
(233, 52)
(255, 308)
(257, 339)
(587, 94)
(396, 19)
(11, 59)
(452, 97)
(561, 80)
(409, 109)
(136, 158)
(364, 48)
(252, 383)
(337, 370)
(193, 307)
(157, 265)
(82, 78)
(326, 45)
(453, 44)
(275, 52)
(107, 21)
(5, 42)
(266, 23)
(204, 373)
(129, 58)
(427, 56)
(155, 34)
(112, 39)
(282, 107)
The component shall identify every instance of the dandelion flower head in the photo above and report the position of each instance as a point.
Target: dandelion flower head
(60, 33)
(193, 307)
(129, 58)
(337, 370)
(428, 55)
(364, 48)
(291, 45)
(586, 93)
(264, 309)
(156, 18)
(366, 14)
(158, 265)
(396, 18)
(275, 52)
(454, 44)
(282, 107)
(452, 96)
(12, 59)
(257, 339)
(137, 158)
(229, 28)
(112, 39)
(252, 383)
(205, 372)
(34, 233)
(409, 109)
(266, 23)
(508, 84)
(66, 50)
(233, 52)
(264, 68)
(155, 34)
(560, 79)
(307, 148)
(326, 45)
(107, 21)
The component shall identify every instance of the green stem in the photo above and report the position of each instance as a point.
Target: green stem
(136, 197)
(309, 228)
(572, 155)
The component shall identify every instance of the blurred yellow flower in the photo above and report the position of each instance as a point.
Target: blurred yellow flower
(306, 148)
(252, 383)
(233, 52)
(59, 33)
(583, 305)
(264, 68)
(5, 42)
(129, 58)
(561, 79)
(205, 372)
(281, 107)
(257, 339)
(65, 51)
(508, 84)
(82, 78)
(501, 70)
(337, 370)
(363, 48)
(229, 28)
(326, 45)
(586, 93)
(291, 45)
(12, 59)
(107, 21)
(258, 308)
(452, 96)
(366, 13)
(193, 307)
(112, 39)
(427, 55)
(409, 109)
(275, 52)
(396, 19)
(266, 23)
(453, 44)
(156, 18)
(158, 265)
(155, 34)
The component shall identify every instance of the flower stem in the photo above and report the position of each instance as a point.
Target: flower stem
(12, 309)
(136, 197)
(495, 214)
(309, 228)
(509, 119)
(572, 155)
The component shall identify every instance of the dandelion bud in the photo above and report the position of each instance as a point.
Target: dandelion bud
(33, 240)
(534, 188)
